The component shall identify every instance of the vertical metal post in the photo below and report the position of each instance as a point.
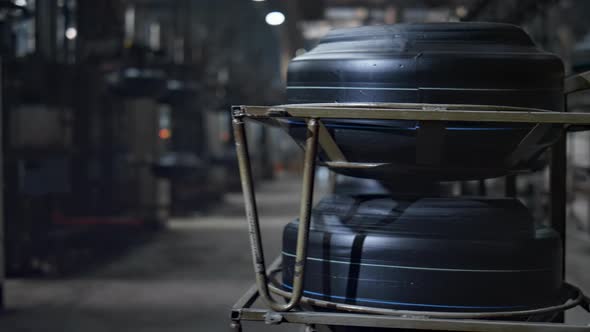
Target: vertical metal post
(252, 213)
(2, 243)
(249, 200)
(558, 190)
(558, 186)
(311, 145)
(46, 29)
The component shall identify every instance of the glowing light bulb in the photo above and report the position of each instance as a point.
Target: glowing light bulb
(275, 18)
(71, 33)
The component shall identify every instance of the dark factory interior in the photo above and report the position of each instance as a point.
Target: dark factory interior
(295, 165)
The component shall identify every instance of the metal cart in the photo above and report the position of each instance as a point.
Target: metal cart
(430, 117)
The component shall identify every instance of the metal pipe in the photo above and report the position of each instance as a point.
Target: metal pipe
(419, 112)
(2, 221)
(250, 204)
(575, 298)
(558, 178)
(558, 187)
(252, 213)
(409, 323)
(311, 145)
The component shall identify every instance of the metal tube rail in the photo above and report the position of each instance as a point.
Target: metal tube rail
(416, 112)
(242, 311)
(252, 213)
(576, 298)
(405, 322)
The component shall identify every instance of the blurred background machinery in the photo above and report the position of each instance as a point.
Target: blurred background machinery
(113, 116)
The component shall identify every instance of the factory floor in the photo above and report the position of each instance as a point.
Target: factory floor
(184, 278)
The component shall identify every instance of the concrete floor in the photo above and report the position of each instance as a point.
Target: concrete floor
(184, 279)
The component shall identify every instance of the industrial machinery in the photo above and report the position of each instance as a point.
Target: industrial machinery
(78, 156)
(413, 106)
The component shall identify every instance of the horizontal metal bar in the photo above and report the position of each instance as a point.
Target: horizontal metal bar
(425, 112)
(414, 323)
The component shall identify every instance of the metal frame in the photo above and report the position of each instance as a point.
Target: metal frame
(2, 227)
(430, 116)
(252, 214)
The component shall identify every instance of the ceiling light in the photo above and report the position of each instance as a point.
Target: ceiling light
(275, 18)
(71, 33)
(461, 11)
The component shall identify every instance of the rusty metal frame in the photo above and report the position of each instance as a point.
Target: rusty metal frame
(416, 112)
(427, 113)
(252, 213)
(243, 311)
(309, 318)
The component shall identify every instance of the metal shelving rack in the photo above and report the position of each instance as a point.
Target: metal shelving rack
(429, 116)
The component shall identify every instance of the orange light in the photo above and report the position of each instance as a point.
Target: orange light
(164, 133)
